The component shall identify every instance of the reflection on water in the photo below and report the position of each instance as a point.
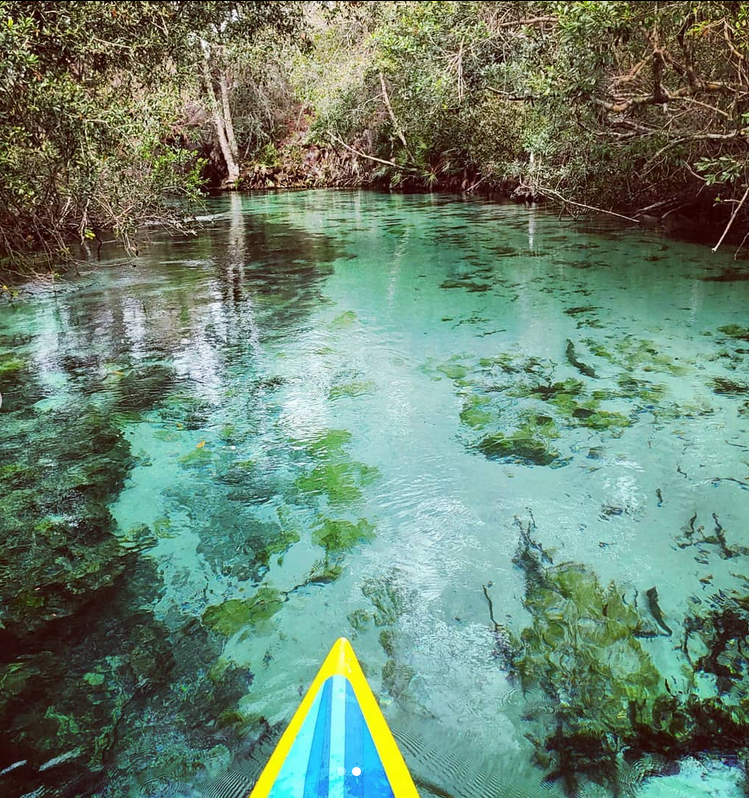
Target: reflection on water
(505, 455)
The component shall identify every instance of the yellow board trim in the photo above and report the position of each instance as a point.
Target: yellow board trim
(342, 661)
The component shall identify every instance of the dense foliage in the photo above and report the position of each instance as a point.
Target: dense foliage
(110, 110)
(639, 106)
(91, 96)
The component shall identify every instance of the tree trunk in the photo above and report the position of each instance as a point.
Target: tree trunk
(219, 124)
(228, 123)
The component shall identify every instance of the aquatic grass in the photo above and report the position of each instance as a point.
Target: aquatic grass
(527, 440)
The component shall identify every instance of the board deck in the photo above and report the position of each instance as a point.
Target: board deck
(338, 744)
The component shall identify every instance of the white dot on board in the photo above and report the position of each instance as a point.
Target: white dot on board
(341, 771)
(356, 771)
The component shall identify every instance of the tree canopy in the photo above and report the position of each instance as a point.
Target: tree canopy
(91, 94)
(111, 111)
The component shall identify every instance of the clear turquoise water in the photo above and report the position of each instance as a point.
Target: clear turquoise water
(292, 315)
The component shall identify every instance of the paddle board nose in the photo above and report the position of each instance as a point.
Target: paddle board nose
(338, 743)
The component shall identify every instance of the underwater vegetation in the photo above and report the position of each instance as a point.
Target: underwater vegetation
(389, 600)
(60, 468)
(515, 409)
(609, 708)
(82, 655)
(334, 483)
(235, 614)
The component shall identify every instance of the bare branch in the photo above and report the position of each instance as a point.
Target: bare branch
(517, 23)
(731, 220)
(556, 195)
(364, 154)
(391, 113)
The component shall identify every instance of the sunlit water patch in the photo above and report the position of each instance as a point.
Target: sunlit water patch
(504, 454)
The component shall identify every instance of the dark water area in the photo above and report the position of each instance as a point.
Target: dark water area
(506, 455)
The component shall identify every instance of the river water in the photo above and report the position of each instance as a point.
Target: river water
(441, 428)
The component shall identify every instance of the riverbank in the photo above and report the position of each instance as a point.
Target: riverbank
(296, 164)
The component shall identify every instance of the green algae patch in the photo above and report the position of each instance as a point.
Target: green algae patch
(345, 321)
(340, 482)
(162, 528)
(631, 388)
(389, 598)
(551, 392)
(93, 679)
(453, 371)
(279, 544)
(731, 330)
(11, 366)
(337, 535)
(516, 448)
(330, 443)
(590, 415)
(475, 413)
(396, 677)
(323, 572)
(233, 615)
(197, 458)
(352, 389)
(359, 619)
(632, 354)
(335, 475)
